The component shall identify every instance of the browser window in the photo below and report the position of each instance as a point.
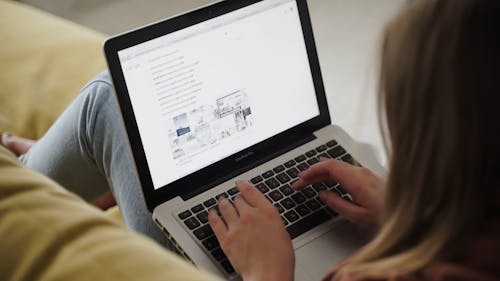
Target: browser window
(213, 89)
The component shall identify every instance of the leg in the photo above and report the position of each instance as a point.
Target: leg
(87, 148)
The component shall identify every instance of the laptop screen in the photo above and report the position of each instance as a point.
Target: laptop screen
(213, 89)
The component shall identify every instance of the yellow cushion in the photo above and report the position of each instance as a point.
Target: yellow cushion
(114, 213)
(47, 233)
(45, 60)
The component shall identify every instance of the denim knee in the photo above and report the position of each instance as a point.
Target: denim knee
(98, 106)
(98, 90)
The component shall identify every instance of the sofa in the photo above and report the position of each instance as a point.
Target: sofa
(45, 60)
(48, 233)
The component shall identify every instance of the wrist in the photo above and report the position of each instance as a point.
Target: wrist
(271, 274)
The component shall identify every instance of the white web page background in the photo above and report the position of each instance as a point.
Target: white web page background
(262, 55)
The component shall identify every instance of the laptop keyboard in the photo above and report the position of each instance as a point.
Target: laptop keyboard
(300, 210)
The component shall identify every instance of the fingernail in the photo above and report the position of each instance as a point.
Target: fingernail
(212, 212)
(241, 184)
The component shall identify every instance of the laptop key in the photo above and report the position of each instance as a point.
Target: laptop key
(348, 159)
(324, 155)
(303, 166)
(203, 232)
(279, 169)
(311, 153)
(203, 217)
(276, 195)
(262, 187)
(192, 223)
(293, 173)
(185, 214)
(279, 208)
(290, 163)
(302, 210)
(312, 161)
(331, 143)
(211, 243)
(216, 208)
(233, 191)
(228, 267)
(223, 194)
(309, 192)
(300, 158)
(256, 179)
(336, 151)
(218, 254)
(288, 203)
(198, 208)
(319, 187)
(286, 189)
(210, 202)
(291, 216)
(272, 183)
(298, 198)
(308, 223)
(283, 178)
(313, 204)
(268, 174)
(321, 148)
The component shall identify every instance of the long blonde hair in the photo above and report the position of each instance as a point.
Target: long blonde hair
(439, 90)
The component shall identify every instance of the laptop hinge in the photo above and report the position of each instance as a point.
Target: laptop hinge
(244, 169)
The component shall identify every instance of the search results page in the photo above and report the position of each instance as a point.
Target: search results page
(213, 89)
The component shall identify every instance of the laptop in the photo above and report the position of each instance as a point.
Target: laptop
(233, 91)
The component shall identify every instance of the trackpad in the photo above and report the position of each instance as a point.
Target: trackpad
(320, 255)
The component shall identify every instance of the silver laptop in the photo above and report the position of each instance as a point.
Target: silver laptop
(233, 91)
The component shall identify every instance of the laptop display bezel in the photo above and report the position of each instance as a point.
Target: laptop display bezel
(205, 178)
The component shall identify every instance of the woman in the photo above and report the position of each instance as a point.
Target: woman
(438, 212)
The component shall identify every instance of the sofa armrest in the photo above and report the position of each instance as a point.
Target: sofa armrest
(45, 61)
(48, 233)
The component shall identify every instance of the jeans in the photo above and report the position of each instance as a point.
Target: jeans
(87, 149)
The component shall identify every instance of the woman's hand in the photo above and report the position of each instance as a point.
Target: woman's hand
(253, 236)
(15, 144)
(366, 189)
